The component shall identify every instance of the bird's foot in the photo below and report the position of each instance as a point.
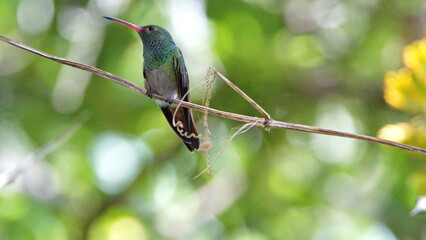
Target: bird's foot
(169, 100)
(150, 92)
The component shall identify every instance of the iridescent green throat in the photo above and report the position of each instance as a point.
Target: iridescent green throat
(154, 59)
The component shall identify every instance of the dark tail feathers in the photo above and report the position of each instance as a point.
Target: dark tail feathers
(187, 131)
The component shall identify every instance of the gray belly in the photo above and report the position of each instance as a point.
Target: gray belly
(162, 83)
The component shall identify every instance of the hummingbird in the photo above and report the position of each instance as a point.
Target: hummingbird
(165, 74)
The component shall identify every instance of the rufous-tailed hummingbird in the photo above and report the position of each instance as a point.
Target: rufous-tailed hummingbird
(165, 74)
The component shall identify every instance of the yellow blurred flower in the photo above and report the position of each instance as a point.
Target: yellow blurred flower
(405, 90)
(399, 132)
(415, 59)
(397, 84)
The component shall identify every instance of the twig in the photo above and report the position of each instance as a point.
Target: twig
(207, 94)
(206, 99)
(247, 98)
(242, 129)
(8, 177)
(261, 122)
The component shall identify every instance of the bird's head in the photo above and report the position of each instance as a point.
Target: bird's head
(150, 34)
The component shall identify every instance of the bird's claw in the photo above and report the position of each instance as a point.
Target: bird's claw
(149, 93)
(169, 100)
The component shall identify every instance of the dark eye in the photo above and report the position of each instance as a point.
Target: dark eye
(152, 28)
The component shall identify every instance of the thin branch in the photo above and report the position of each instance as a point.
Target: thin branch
(246, 97)
(261, 122)
(10, 176)
(242, 129)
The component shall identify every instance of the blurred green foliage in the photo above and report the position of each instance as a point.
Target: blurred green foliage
(125, 175)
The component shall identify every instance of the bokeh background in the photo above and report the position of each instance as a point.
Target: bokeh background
(124, 175)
